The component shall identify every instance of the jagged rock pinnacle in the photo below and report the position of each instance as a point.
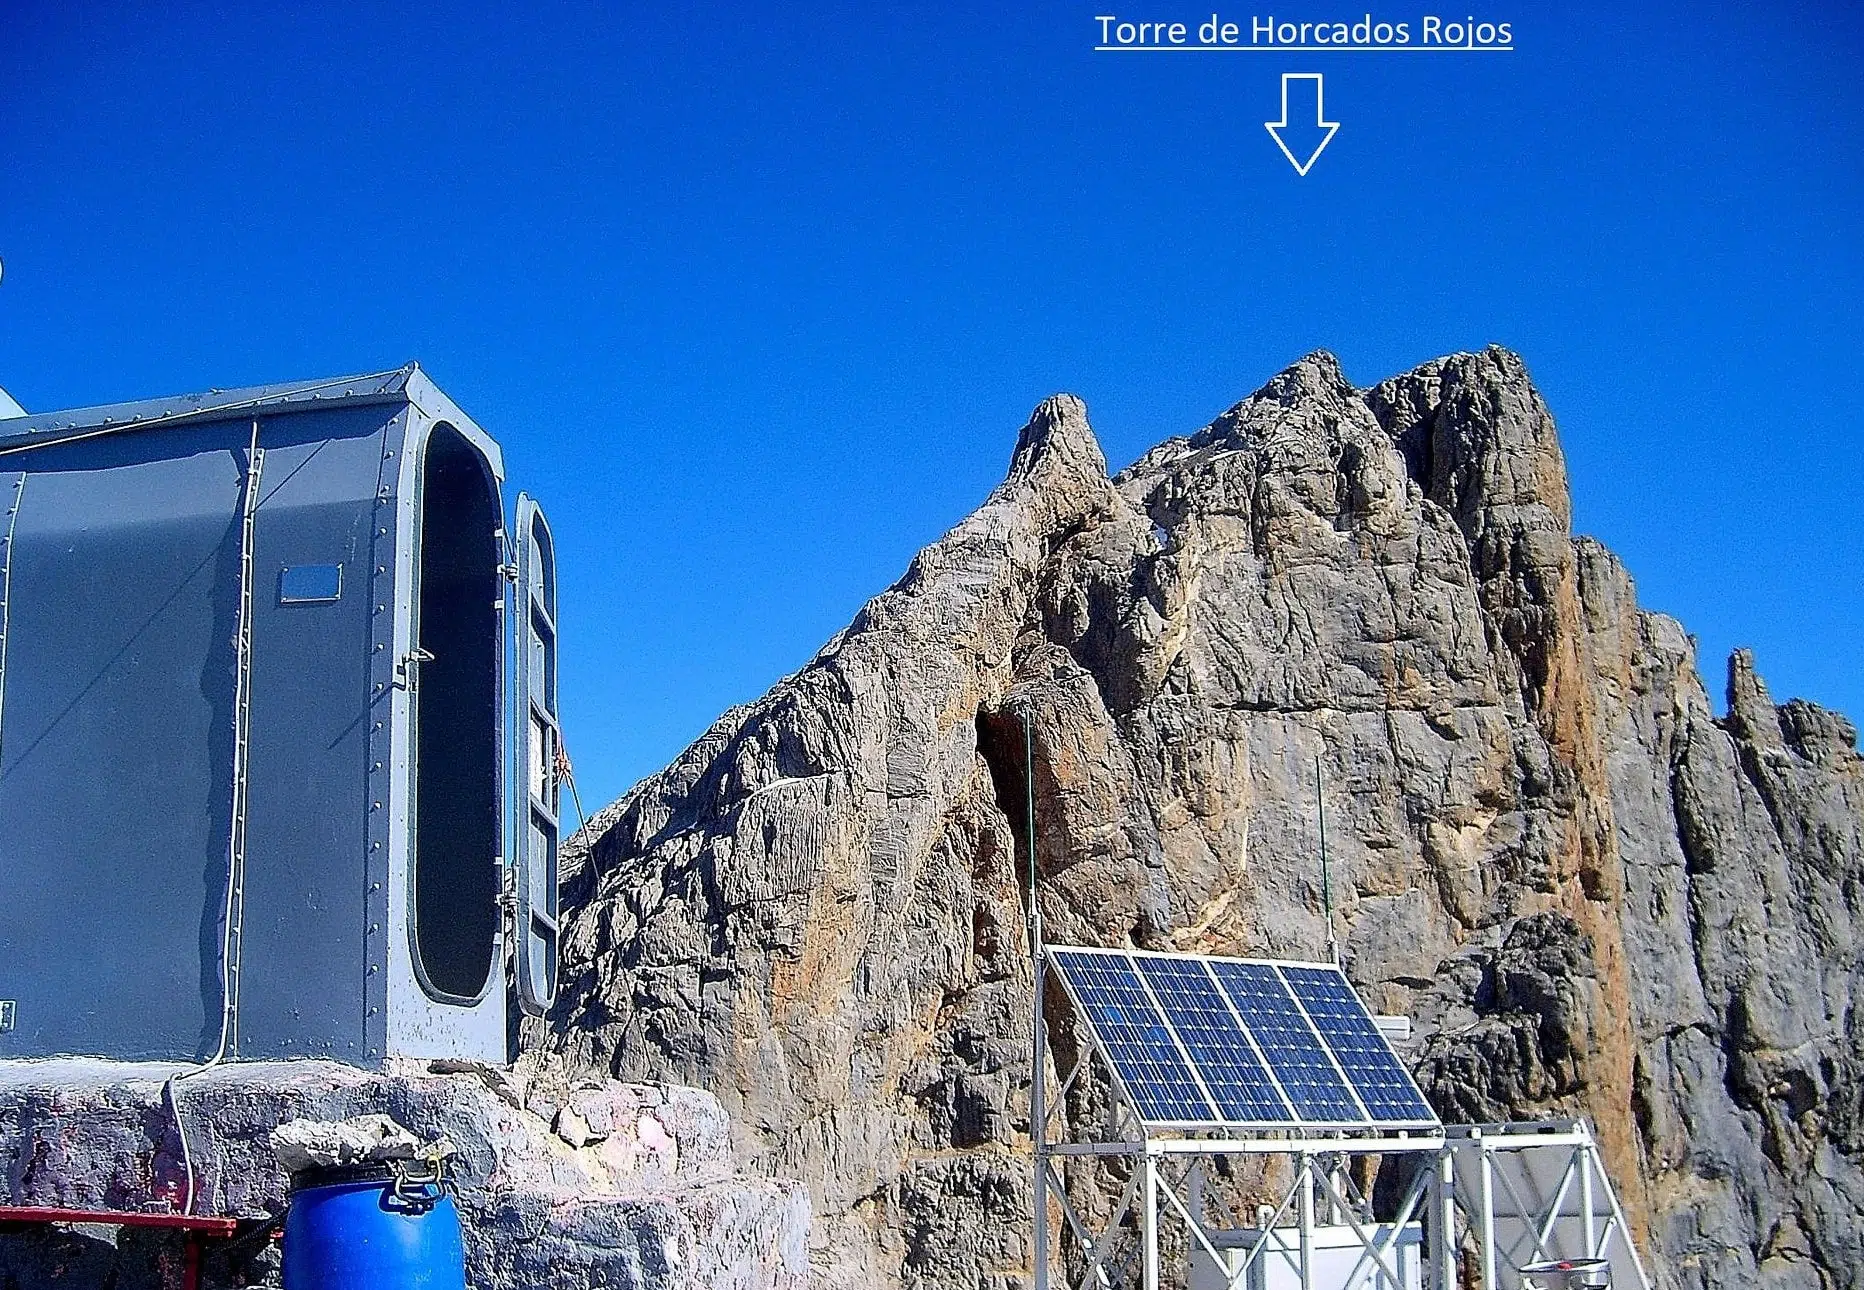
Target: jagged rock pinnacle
(1058, 437)
(1315, 375)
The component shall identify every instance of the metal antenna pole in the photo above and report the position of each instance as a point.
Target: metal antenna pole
(1029, 820)
(1038, 1076)
(1326, 877)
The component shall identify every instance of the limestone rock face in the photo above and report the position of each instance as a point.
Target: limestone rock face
(652, 1199)
(1592, 894)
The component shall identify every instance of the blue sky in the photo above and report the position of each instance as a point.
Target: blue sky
(756, 297)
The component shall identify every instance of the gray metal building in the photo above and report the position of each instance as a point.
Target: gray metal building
(278, 729)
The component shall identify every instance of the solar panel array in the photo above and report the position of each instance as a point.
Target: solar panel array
(1239, 1043)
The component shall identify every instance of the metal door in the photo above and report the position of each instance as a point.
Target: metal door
(537, 742)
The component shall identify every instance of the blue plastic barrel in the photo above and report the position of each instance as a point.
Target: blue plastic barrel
(360, 1231)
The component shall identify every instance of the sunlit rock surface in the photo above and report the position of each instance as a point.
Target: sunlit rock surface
(1592, 894)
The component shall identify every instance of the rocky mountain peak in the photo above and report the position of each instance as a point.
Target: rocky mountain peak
(1313, 378)
(1591, 896)
(1058, 438)
(1751, 714)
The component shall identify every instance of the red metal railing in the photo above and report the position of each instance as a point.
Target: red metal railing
(193, 1227)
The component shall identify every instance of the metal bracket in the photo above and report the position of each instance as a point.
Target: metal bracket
(508, 898)
(408, 668)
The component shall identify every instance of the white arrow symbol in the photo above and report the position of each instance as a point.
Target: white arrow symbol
(1321, 122)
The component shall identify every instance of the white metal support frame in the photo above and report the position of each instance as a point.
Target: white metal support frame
(1507, 1194)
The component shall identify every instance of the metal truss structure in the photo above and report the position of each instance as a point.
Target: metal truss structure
(1474, 1205)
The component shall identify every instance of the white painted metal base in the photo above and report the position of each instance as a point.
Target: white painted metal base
(1491, 1200)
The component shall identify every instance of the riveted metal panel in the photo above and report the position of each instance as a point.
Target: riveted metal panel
(384, 822)
(115, 767)
(303, 972)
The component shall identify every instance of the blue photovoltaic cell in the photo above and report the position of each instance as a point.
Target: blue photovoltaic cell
(1134, 1038)
(1219, 1049)
(1383, 1085)
(1306, 1023)
(1293, 1050)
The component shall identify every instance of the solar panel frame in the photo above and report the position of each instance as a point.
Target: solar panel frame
(1161, 1015)
(1299, 1058)
(1184, 1051)
(1361, 1051)
(1243, 1079)
(1117, 1058)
